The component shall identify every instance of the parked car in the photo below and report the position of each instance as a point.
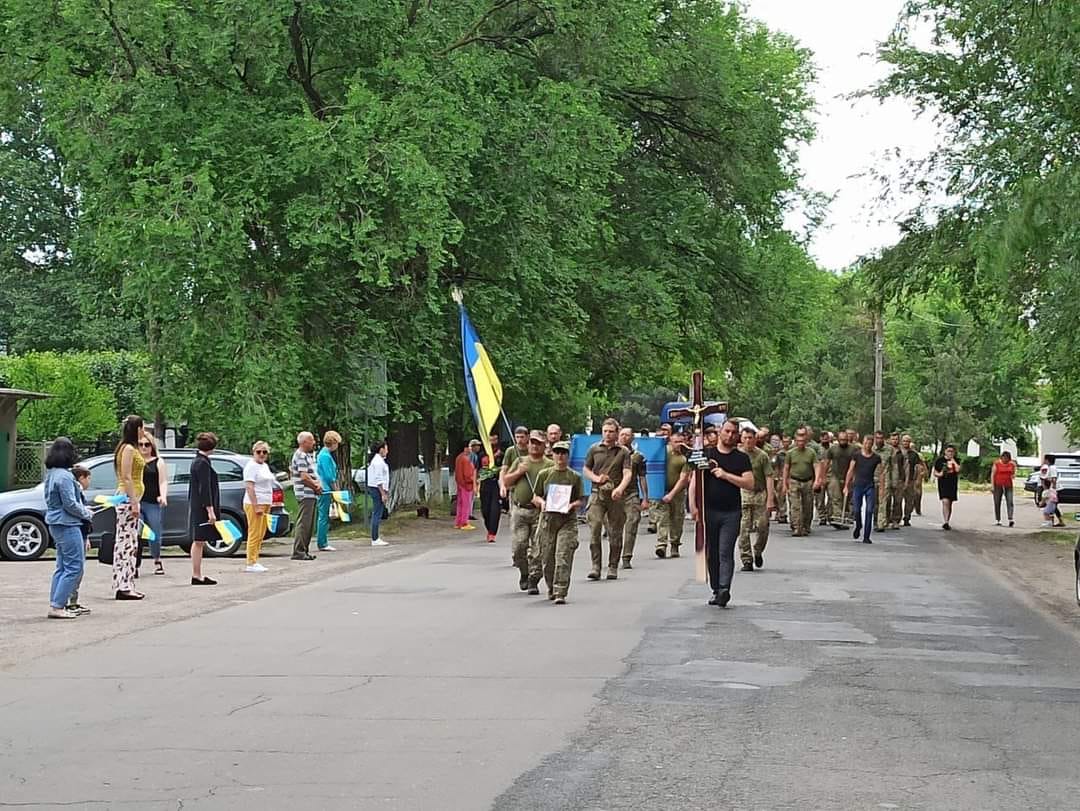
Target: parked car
(24, 536)
(1068, 469)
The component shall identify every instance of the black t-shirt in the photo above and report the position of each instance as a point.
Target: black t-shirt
(865, 469)
(723, 496)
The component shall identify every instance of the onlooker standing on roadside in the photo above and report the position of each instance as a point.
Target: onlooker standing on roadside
(82, 476)
(465, 479)
(155, 497)
(1002, 476)
(129, 466)
(204, 505)
(307, 489)
(947, 473)
(327, 470)
(258, 498)
(378, 485)
(64, 515)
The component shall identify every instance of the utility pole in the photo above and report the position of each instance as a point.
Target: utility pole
(879, 362)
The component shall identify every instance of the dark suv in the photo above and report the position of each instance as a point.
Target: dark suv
(24, 536)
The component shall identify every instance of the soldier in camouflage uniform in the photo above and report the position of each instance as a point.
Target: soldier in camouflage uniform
(884, 450)
(671, 510)
(524, 516)
(821, 496)
(607, 466)
(800, 477)
(756, 504)
(782, 494)
(895, 481)
(637, 497)
(834, 471)
(664, 432)
(557, 537)
(912, 460)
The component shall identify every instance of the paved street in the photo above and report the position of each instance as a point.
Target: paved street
(900, 675)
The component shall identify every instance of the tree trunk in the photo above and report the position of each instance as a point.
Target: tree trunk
(403, 459)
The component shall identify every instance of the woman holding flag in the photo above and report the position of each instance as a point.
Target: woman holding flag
(204, 504)
(258, 498)
(327, 471)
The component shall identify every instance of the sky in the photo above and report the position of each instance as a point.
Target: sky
(853, 137)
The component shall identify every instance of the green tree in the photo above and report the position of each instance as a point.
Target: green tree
(77, 407)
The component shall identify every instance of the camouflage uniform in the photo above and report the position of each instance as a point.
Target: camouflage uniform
(778, 486)
(821, 496)
(754, 517)
(557, 538)
(895, 482)
(612, 460)
(839, 461)
(911, 468)
(883, 507)
(524, 517)
(671, 517)
(632, 500)
(803, 467)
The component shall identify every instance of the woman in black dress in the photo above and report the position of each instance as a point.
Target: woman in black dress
(947, 473)
(204, 498)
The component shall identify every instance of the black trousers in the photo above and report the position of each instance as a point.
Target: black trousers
(490, 505)
(721, 533)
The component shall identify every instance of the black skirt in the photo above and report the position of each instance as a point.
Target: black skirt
(947, 487)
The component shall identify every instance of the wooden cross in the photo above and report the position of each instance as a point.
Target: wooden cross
(699, 409)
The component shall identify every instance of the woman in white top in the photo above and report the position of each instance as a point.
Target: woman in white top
(378, 485)
(258, 496)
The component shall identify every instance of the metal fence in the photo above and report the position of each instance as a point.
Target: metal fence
(29, 463)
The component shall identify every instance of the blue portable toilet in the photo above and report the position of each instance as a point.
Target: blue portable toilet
(653, 448)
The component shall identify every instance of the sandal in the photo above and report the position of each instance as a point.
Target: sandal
(158, 568)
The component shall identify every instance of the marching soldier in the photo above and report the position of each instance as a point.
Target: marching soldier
(756, 504)
(524, 516)
(664, 432)
(884, 450)
(671, 511)
(557, 537)
(637, 497)
(834, 470)
(553, 435)
(895, 482)
(912, 460)
(782, 494)
(607, 466)
(821, 497)
(800, 475)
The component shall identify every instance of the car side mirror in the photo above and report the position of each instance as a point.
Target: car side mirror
(281, 476)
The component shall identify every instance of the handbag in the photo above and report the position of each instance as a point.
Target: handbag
(106, 547)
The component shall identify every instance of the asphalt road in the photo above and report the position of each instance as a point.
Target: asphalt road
(899, 675)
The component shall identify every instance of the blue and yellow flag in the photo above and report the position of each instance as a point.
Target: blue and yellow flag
(481, 382)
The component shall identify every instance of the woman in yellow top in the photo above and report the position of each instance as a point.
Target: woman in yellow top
(129, 465)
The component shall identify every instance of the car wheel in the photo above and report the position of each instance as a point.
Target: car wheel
(225, 549)
(24, 538)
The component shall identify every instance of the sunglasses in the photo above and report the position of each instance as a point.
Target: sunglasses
(145, 445)
(261, 453)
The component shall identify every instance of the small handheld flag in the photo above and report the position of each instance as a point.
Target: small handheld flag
(228, 530)
(147, 534)
(344, 500)
(273, 522)
(111, 501)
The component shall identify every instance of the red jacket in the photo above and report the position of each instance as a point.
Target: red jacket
(465, 471)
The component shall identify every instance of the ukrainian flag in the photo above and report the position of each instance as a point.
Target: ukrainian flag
(481, 382)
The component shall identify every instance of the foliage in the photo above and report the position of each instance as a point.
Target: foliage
(277, 190)
(78, 407)
(1001, 195)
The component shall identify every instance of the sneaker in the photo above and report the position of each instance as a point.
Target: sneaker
(946, 526)
(491, 538)
(1046, 524)
(78, 609)
(560, 601)
(661, 552)
(534, 591)
(907, 522)
(856, 532)
(255, 567)
(523, 584)
(714, 600)
(1011, 523)
(759, 561)
(612, 574)
(747, 566)
(594, 574)
(997, 523)
(61, 614)
(674, 552)
(327, 548)
(467, 527)
(379, 542)
(723, 598)
(626, 564)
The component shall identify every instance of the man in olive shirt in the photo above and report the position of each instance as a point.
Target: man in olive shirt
(834, 470)
(800, 473)
(520, 449)
(607, 466)
(637, 497)
(664, 432)
(756, 504)
(524, 516)
(671, 510)
(557, 538)
(884, 450)
(779, 463)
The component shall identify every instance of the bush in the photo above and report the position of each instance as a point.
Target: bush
(78, 408)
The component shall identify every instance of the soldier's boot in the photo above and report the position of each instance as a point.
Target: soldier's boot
(674, 550)
(560, 601)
